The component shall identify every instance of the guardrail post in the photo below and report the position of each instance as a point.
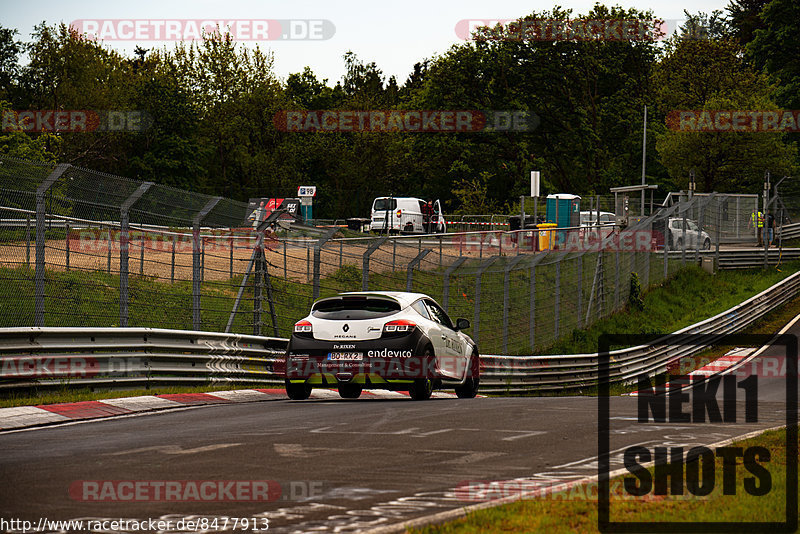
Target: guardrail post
(506, 304)
(365, 262)
(47, 183)
(230, 261)
(196, 274)
(412, 264)
(446, 285)
(317, 252)
(483, 266)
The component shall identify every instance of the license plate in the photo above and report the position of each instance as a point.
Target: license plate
(345, 356)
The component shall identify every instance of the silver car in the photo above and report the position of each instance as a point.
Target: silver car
(687, 237)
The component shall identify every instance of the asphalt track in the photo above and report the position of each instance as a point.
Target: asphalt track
(342, 465)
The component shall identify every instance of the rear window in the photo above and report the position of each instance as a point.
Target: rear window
(384, 204)
(354, 308)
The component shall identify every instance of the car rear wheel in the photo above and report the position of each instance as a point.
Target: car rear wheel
(707, 244)
(422, 388)
(470, 387)
(349, 391)
(679, 244)
(298, 391)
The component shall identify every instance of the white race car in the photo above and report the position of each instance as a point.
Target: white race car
(380, 340)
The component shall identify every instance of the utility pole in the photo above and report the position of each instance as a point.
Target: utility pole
(644, 155)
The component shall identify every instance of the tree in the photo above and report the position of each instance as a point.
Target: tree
(744, 18)
(724, 160)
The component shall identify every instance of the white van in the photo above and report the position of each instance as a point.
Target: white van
(396, 215)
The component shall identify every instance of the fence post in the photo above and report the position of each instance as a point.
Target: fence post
(532, 319)
(719, 225)
(506, 298)
(616, 279)
(317, 252)
(108, 252)
(124, 240)
(412, 264)
(341, 250)
(483, 266)
(28, 240)
(258, 289)
(450, 270)
(285, 246)
(172, 271)
(440, 251)
(66, 226)
(684, 233)
(365, 262)
(230, 261)
(38, 314)
(196, 274)
(141, 254)
(557, 305)
(667, 236)
(580, 289)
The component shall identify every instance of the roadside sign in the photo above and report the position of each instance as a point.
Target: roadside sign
(307, 191)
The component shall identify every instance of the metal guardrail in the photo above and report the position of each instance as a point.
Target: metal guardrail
(33, 357)
(527, 374)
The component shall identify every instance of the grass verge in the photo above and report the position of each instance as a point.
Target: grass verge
(575, 510)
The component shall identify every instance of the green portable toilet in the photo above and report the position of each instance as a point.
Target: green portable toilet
(566, 208)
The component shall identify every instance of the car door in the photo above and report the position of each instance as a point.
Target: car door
(451, 351)
(438, 222)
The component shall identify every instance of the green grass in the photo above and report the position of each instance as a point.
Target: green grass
(691, 296)
(571, 511)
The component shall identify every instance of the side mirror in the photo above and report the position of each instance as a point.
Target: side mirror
(462, 324)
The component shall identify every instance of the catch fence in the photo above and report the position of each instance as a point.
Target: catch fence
(82, 248)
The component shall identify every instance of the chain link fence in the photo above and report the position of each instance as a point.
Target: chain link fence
(82, 248)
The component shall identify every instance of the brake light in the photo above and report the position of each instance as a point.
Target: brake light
(400, 325)
(302, 327)
(399, 213)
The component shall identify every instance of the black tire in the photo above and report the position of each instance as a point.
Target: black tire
(298, 391)
(679, 244)
(422, 388)
(470, 387)
(707, 244)
(349, 391)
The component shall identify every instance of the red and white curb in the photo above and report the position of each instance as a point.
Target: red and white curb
(719, 365)
(48, 414)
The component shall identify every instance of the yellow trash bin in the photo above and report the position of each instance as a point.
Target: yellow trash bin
(546, 237)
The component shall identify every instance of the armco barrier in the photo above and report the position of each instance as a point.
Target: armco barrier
(144, 357)
(527, 374)
(135, 357)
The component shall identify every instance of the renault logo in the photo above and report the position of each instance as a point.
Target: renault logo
(345, 328)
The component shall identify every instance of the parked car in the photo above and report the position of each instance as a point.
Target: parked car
(680, 236)
(380, 340)
(406, 215)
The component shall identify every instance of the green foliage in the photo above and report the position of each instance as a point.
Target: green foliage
(635, 295)
(349, 276)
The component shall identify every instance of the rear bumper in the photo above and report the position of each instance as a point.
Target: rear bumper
(379, 363)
